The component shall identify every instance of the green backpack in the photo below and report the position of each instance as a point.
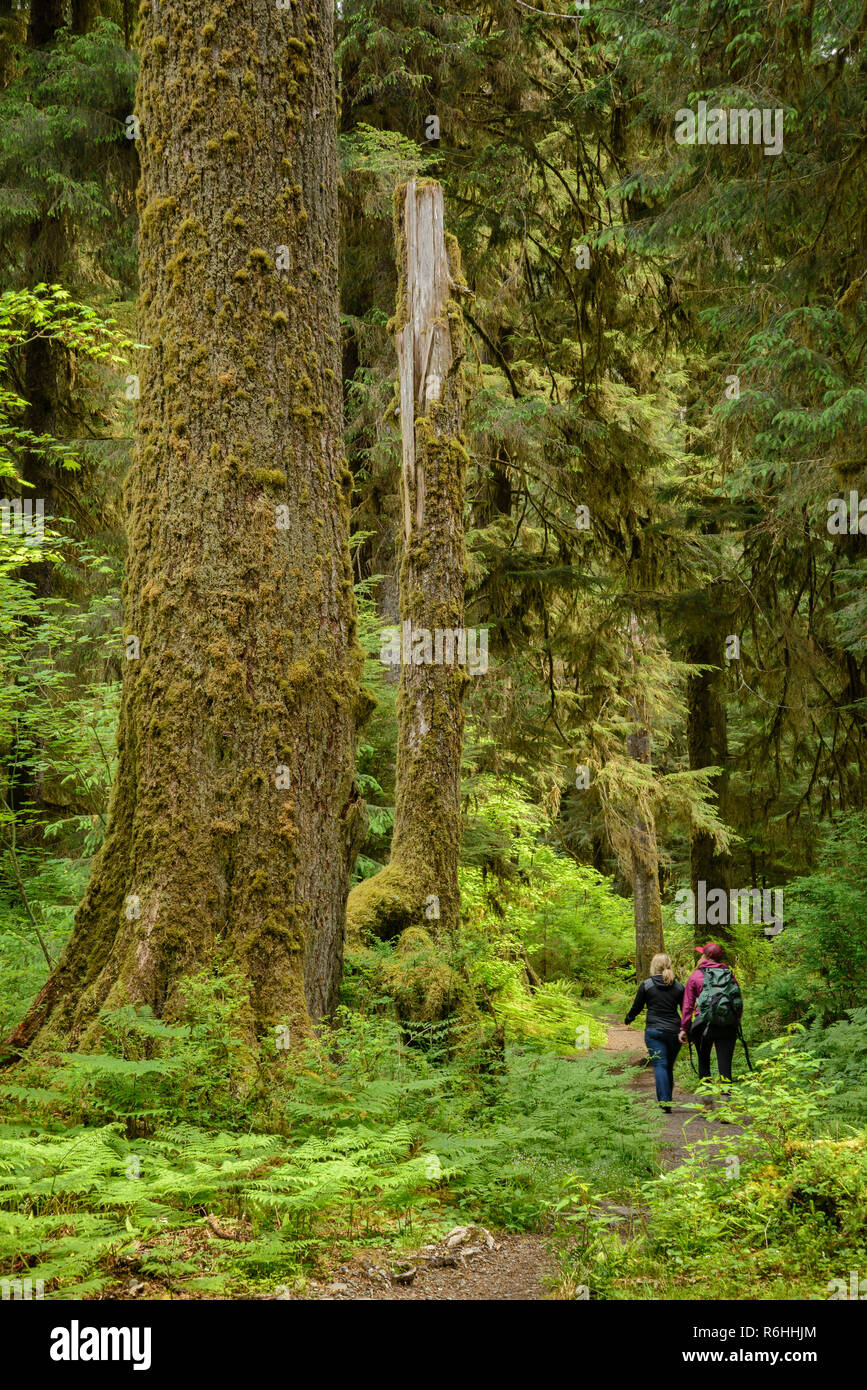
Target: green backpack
(720, 1003)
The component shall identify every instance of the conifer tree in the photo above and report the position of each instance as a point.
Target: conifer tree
(234, 818)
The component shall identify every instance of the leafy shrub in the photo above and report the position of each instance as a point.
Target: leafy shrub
(565, 916)
(817, 967)
(549, 1013)
(842, 1050)
(774, 1209)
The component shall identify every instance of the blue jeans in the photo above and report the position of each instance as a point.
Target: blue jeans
(663, 1049)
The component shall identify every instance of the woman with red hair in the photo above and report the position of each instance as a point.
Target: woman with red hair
(716, 1022)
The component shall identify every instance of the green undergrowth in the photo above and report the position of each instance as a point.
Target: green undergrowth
(550, 1013)
(111, 1165)
(773, 1205)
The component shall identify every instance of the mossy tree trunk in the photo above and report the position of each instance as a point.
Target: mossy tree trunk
(644, 856)
(13, 31)
(418, 889)
(234, 818)
(707, 742)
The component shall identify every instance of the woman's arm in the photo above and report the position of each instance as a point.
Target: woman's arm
(637, 1006)
(690, 995)
(679, 994)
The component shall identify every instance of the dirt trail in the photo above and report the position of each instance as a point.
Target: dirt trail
(686, 1124)
(514, 1269)
(518, 1267)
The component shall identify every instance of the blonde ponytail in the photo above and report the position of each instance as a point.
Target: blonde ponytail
(661, 965)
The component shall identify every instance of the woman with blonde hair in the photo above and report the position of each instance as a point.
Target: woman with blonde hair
(661, 994)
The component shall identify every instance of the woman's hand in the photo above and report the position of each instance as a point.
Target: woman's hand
(681, 1037)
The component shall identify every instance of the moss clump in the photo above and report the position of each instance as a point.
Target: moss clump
(420, 979)
(386, 905)
(155, 209)
(224, 827)
(268, 477)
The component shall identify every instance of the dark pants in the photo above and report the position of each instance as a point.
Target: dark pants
(723, 1039)
(663, 1048)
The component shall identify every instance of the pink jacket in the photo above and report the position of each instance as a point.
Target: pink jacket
(693, 989)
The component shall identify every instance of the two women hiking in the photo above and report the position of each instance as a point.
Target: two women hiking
(707, 1012)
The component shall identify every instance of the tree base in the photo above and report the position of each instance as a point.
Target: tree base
(386, 905)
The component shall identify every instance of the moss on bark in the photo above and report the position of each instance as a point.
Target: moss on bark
(418, 891)
(234, 817)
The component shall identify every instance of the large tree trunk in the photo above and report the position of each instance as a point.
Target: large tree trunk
(234, 818)
(644, 856)
(419, 887)
(46, 17)
(84, 15)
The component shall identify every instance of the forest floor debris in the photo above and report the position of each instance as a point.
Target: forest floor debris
(469, 1263)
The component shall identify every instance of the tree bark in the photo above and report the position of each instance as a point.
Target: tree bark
(46, 17)
(234, 818)
(84, 15)
(708, 747)
(419, 887)
(13, 31)
(644, 856)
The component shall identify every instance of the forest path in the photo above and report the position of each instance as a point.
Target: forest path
(686, 1124)
(514, 1269)
(517, 1267)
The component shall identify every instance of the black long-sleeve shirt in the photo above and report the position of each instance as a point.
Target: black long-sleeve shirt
(662, 1002)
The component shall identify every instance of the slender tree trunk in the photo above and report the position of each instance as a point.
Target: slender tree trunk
(84, 15)
(708, 747)
(419, 887)
(45, 382)
(234, 818)
(643, 850)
